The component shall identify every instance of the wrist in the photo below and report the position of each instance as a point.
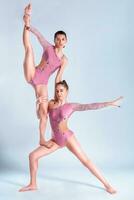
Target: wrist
(109, 103)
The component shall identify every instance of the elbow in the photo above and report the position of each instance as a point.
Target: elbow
(58, 79)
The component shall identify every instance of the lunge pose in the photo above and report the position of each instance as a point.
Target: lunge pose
(52, 59)
(59, 112)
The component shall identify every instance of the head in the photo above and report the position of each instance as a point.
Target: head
(61, 90)
(60, 39)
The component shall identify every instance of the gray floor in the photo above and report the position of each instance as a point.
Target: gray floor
(67, 184)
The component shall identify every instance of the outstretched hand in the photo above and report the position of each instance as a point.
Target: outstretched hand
(116, 102)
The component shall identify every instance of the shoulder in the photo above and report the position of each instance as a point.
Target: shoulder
(51, 104)
(69, 105)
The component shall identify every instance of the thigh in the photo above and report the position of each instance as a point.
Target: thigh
(74, 146)
(29, 64)
(43, 151)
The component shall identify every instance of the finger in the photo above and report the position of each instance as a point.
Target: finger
(47, 146)
(121, 97)
(50, 145)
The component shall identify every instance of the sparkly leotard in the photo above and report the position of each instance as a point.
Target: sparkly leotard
(53, 62)
(63, 112)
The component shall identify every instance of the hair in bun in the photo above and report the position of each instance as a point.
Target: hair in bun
(63, 83)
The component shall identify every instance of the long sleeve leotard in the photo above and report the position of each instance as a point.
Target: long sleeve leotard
(63, 112)
(52, 61)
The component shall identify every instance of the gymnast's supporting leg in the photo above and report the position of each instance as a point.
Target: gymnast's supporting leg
(34, 156)
(43, 116)
(74, 146)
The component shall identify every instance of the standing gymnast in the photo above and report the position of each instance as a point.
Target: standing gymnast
(59, 112)
(52, 59)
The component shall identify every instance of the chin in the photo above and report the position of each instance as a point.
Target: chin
(61, 99)
(60, 46)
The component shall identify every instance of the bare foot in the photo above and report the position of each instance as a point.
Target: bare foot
(26, 20)
(111, 190)
(28, 188)
(28, 9)
(27, 14)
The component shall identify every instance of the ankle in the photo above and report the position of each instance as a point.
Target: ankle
(27, 27)
(33, 184)
(42, 138)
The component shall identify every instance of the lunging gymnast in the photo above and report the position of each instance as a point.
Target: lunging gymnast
(59, 112)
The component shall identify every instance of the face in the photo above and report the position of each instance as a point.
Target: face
(61, 92)
(60, 41)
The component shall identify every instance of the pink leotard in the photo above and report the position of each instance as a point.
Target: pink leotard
(63, 112)
(52, 61)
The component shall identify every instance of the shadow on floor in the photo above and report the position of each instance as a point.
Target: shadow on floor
(54, 178)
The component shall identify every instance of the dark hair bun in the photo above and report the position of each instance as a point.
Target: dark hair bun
(64, 83)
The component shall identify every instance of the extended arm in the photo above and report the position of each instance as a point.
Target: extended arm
(92, 106)
(44, 43)
(58, 77)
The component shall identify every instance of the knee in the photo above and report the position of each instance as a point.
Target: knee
(32, 156)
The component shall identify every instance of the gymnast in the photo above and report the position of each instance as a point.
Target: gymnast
(59, 112)
(52, 59)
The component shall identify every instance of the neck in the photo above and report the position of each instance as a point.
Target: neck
(59, 49)
(61, 102)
